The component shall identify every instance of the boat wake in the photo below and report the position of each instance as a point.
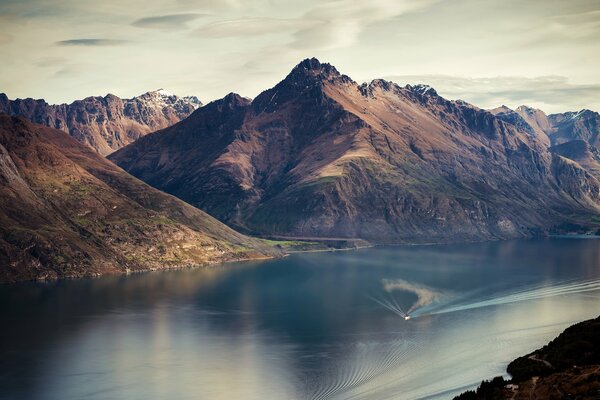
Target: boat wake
(431, 301)
(368, 362)
(534, 293)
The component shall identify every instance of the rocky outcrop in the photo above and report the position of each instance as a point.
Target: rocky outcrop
(566, 368)
(320, 155)
(67, 212)
(106, 123)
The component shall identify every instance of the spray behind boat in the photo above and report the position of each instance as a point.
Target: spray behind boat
(425, 296)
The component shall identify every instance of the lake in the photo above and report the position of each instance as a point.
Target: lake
(309, 326)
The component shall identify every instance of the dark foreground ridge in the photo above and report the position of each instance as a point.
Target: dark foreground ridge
(566, 368)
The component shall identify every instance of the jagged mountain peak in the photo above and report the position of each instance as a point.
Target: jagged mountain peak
(423, 89)
(312, 70)
(527, 109)
(314, 66)
(368, 88)
(230, 101)
(164, 92)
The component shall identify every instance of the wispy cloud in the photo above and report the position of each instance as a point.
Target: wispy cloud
(50, 62)
(550, 93)
(247, 27)
(327, 25)
(91, 42)
(338, 23)
(167, 22)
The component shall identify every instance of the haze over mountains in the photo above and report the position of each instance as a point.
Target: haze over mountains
(65, 211)
(106, 123)
(320, 155)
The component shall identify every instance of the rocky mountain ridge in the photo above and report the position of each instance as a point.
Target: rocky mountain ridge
(320, 155)
(106, 123)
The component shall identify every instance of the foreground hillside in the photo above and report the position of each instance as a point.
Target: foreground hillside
(567, 368)
(106, 123)
(67, 212)
(320, 156)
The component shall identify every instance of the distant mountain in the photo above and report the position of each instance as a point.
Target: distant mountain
(320, 155)
(581, 125)
(559, 128)
(106, 123)
(65, 211)
(573, 135)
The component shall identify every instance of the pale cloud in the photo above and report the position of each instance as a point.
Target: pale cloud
(211, 47)
(167, 22)
(5, 38)
(339, 23)
(248, 27)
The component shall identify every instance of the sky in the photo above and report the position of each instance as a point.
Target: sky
(544, 54)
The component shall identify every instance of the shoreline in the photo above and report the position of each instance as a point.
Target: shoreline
(286, 252)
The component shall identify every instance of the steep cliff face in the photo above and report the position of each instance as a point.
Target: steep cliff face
(65, 211)
(106, 123)
(319, 155)
(582, 153)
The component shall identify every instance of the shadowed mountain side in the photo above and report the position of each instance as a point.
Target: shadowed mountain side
(319, 155)
(68, 212)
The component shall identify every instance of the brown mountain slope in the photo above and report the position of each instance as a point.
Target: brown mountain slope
(319, 155)
(67, 212)
(106, 123)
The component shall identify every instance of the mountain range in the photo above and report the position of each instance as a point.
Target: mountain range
(316, 156)
(319, 155)
(66, 211)
(106, 123)
(559, 128)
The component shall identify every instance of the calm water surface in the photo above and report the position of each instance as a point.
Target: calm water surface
(310, 326)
